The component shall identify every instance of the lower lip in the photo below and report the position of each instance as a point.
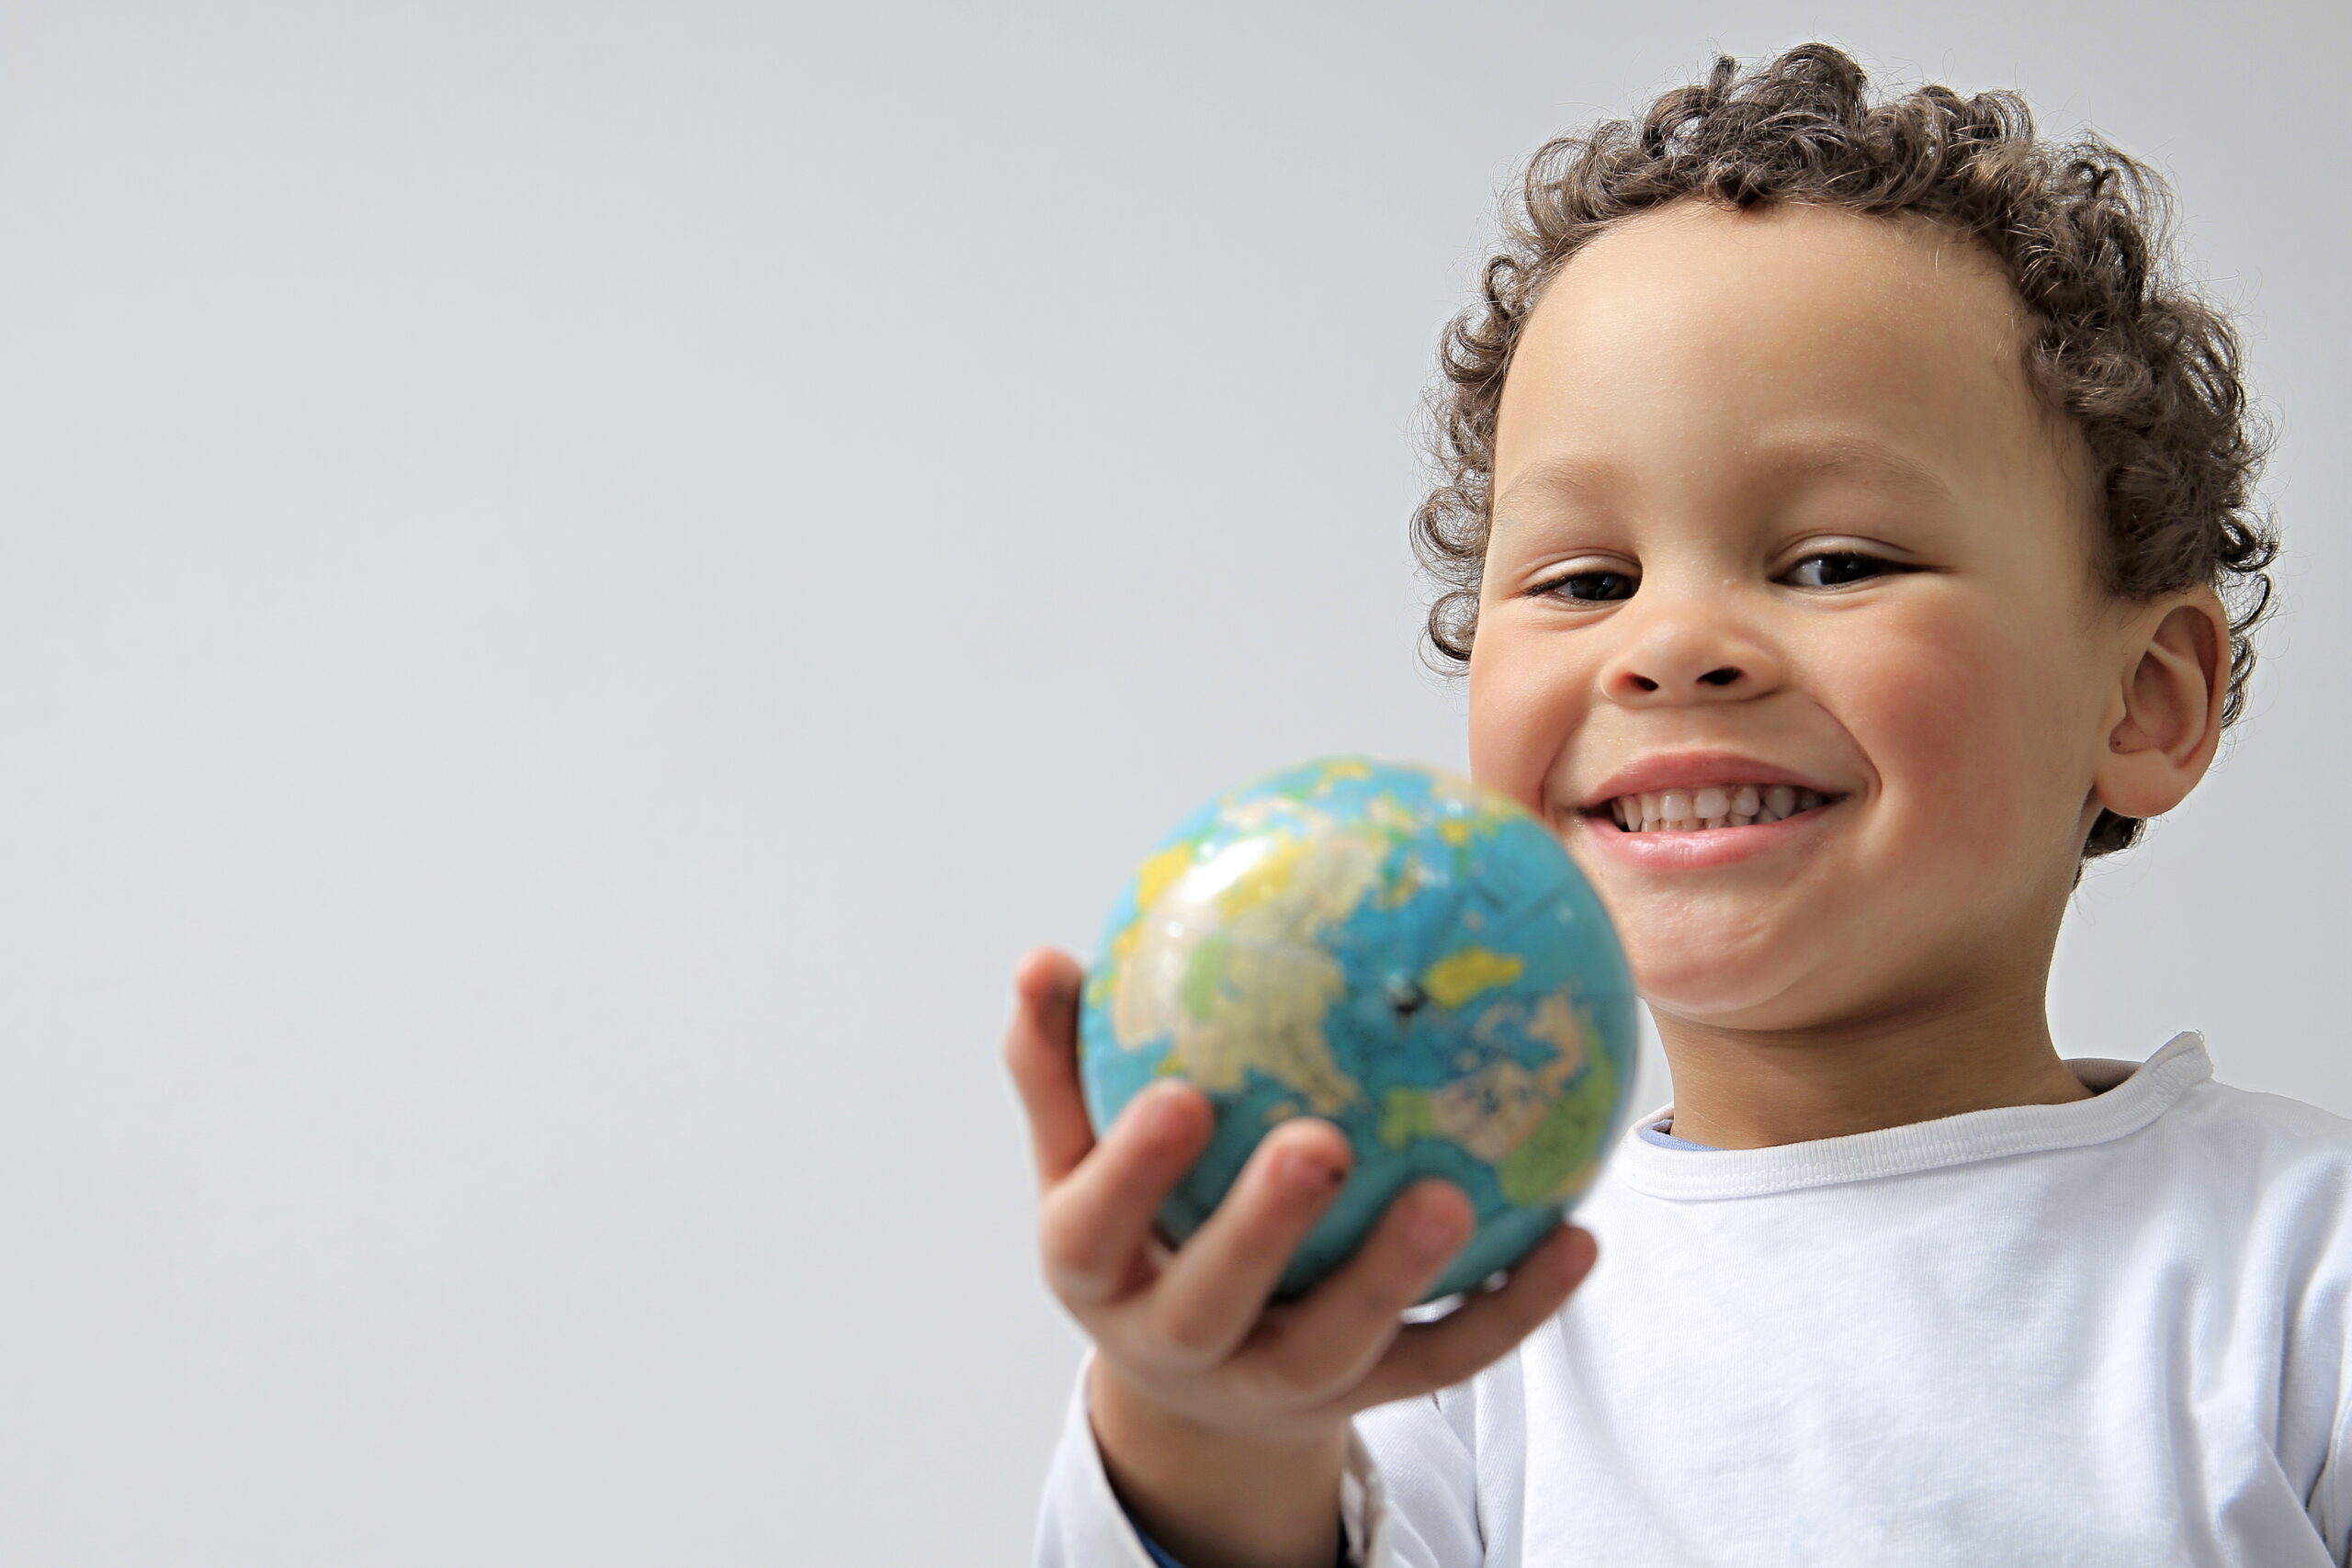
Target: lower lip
(1702, 848)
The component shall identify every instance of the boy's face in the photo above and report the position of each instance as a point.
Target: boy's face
(1774, 505)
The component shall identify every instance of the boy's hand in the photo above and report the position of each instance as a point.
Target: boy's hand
(1186, 1339)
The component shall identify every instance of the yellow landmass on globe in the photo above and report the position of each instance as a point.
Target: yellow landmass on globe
(1458, 976)
(1152, 879)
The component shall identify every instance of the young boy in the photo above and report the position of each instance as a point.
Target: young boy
(1859, 450)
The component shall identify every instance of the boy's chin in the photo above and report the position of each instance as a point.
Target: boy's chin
(1749, 994)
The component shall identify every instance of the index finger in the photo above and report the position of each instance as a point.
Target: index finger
(1041, 1049)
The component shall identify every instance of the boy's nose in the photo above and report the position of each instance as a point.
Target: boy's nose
(1689, 659)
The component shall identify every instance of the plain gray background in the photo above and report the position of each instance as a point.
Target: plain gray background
(578, 580)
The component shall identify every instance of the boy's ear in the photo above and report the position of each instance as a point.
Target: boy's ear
(2167, 716)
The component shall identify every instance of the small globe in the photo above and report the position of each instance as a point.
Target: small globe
(1401, 952)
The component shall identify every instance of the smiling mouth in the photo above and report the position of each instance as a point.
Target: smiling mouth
(1694, 810)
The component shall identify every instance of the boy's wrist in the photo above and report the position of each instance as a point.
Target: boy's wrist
(1216, 1498)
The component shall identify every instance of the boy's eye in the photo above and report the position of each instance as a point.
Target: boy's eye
(1829, 570)
(1591, 587)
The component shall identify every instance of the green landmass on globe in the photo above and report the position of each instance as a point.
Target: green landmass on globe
(1399, 951)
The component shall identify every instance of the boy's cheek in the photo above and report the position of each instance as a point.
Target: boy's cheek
(1963, 747)
(1521, 715)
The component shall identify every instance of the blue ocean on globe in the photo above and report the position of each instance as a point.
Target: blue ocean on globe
(1402, 952)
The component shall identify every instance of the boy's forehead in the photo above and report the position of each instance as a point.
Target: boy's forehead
(1814, 253)
(1701, 332)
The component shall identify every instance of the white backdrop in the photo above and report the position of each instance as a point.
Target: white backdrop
(578, 580)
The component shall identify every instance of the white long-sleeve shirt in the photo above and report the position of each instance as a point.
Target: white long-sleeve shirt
(2105, 1333)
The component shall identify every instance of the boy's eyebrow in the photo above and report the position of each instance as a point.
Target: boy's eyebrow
(1854, 457)
(1876, 463)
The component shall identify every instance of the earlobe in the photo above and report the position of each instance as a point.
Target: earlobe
(2171, 697)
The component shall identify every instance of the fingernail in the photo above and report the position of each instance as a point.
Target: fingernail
(1302, 1172)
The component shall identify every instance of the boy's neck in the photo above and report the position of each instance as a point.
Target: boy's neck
(1746, 1090)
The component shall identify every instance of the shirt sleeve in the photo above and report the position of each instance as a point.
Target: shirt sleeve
(1082, 1525)
(2332, 1496)
(1160, 1557)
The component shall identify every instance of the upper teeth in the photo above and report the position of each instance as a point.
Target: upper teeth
(1717, 806)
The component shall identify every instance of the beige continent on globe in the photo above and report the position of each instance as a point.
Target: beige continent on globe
(1228, 963)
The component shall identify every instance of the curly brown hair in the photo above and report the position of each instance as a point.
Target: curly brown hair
(2149, 372)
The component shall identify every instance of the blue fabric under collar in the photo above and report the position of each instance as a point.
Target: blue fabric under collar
(1651, 1135)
